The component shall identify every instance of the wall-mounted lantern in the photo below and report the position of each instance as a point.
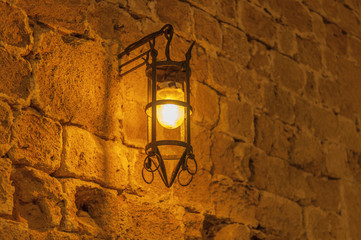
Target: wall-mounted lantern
(168, 110)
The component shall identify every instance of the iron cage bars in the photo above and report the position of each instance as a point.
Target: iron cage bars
(154, 160)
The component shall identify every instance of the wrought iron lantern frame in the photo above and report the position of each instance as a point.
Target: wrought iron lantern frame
(154, 161)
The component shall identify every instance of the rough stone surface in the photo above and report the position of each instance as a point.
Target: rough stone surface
(275, 127)
(257, 23)
(88, 157)
(6, 189)
(279, 216)
(14, 29)
(207, 28)
(69, 15)
(6, 121)
(39, 144)
(83, 97)
(38, 198)
(288, 73)
(14, 76)
(236, 119)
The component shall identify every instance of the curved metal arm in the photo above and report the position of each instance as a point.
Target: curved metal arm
(167, 30)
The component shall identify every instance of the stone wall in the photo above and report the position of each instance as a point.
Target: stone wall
(276, 92)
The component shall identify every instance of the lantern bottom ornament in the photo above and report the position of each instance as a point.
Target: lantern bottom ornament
(169, 151)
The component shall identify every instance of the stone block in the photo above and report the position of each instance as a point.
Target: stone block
(176, 13)
(312, 86)
(205, 105)
(134, 124)
(91, 158)
(6, 188)
(193, 222)
(234, 201)
(324, 193)
(277, 176)
(330, 93)
(226, 152)
(279, 216)
(295, 15)
(235, 45)
(77, 83)
(224, 75)
(90, 209)
(257, 23)
(14, 28)
(196, 195)
(68, 17)
(355, 49)
(226, 9)
(273, 137)
(159, 221)
(352, 209)
(207, 28)
(309, 53)
(323, 225)
(15, 83)
(336, 39)
(13, 230)
(236, 119)
(336, 160)
(6, 121)
(39, 144)
(110, 22)
(287, 41)
(288, 73)
(322, 123)
(354, 164)
(233, 232)
(261, 59)
(306, 153)
(38, 198)
(251, 87)
(279, 103)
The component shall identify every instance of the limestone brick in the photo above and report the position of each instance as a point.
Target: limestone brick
(336, 39)
(324, 193)
(6, 121)
(321, 122)
(277, 176)
(279, 103)
(309, 53)
(15, 83)
(257, 23)
(113, 23)
(13, 230)
(81, 97)
(233, 232)
(39, 144)
(234, 201)
(273, 137)
(38, 198)
(88, 157)
(14, 28)
(236, 119)
(288, 73)
(306, 153)
(323, 225)
(7, 190)
(207, 28)
(279, 216)
(69, 15)
(261, 59)
(352, 208)
(224, 75)
(336, 160)
(92, 210)
(235, 45)
(205, 105)
(176, 13)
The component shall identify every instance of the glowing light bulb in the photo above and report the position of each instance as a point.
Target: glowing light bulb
(170, 116)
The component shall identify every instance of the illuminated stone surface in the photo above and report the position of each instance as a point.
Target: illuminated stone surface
(275, 90)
